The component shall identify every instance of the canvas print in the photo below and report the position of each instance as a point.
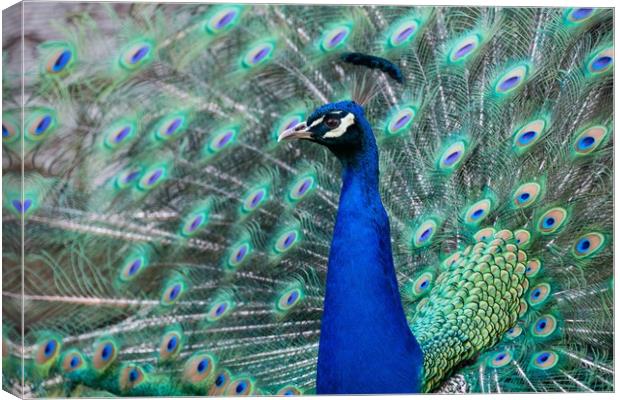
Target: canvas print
(255, 199)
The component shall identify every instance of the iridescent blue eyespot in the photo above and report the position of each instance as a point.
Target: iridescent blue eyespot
(424, 233)
(552, 220)
(105, 353)
(335, 37)
(62, 60)
(20, 207)
(289, 299)
(239, 254)
(10, 129)
(258, 54)
(219, 309)
(130, 377)
(40, 124)
(136, 54)
(464, 48)
(286, 241)
(173, 290)
(423, 284)
(514, 78)
(57, 57)
(289, 391)
(544, 360)
(403, 33)
(601, 62)
(400, 120)
(499, 359)
(253, 199)
(199, 368)
(224, 19)
(579, 14)
(588, 244)
(152, 177)
(71, 361)
(302, 187)
(202, 366)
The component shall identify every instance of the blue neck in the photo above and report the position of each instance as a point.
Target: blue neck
(366, 345)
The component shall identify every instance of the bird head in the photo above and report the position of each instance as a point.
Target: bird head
(341, 127)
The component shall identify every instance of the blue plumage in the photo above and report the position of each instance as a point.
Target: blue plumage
(366, 345)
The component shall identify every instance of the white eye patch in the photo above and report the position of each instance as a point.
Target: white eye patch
(316, 122)
(345, 123)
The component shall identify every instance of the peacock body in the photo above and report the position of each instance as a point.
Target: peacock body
(160, 240)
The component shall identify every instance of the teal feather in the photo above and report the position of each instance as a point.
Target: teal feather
(173, 247)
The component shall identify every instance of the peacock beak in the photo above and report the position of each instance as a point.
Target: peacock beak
(299, 131)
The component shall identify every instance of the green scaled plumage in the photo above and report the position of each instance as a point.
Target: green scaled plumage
(173, 247)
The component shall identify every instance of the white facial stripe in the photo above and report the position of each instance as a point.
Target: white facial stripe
(316, 122)
(345, 123)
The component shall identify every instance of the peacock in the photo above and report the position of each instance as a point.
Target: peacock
(443, 223)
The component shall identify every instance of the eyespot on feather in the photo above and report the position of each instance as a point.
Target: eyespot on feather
(240, 387)
(219, 309)
(258, 54)
(72, 360)
(403, 32)
(499, 359)
(512, 79)
(153, 177)
(223, 19)
(301, 187)
(136, 54)
(289, 299)
(514, 332)
(578, 15)
(522, 237)
(464, 48)
(422, 284)
(544, 360)
(238, 254)
(254, 198)
(106, 351)
(589, 139)
(533, 268)
(452, 157)
(221, 383)
(588, 245)
(528, 135)
(526, 194)
(130, 377)
(552, 220)
(600, 62)
(171, 345)
(335, 37)
(40, 123)
(544, 327)
(47, 350)
(289, 391)
(58, 58)
(476, 213)
(424, 233)
(400, 120)
(199, 368)
(539, 294)
(10, 129)
(287, 240)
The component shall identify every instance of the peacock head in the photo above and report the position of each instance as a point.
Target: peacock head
(341, 127)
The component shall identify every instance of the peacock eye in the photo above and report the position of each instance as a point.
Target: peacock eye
(332, 123)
